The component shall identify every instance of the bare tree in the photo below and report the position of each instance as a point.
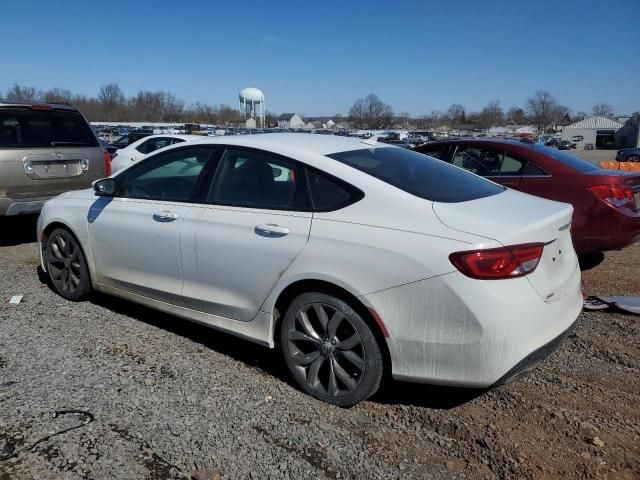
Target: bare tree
(579, 116)
(370, 112)
(18, 93)
(172, 107)
(112, 99)
(58, 95)
(456, 114)
(516, 115)
(491, 115)
(542, 109)
(603, 109)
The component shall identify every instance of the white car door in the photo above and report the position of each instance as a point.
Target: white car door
(255, 221)
(135, 235)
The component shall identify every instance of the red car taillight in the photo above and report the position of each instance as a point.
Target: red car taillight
(614, 195)
(498, 263)
(107, 162)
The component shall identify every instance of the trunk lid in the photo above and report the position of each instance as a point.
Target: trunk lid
(513, 218)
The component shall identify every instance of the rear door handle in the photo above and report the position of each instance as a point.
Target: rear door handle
(271, 230)
(165, 217)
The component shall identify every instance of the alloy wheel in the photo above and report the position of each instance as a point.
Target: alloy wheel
(326, 349)
(63, 262)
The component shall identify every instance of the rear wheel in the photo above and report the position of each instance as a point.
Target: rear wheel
(633, 158)
(66, 265)
(330, 350)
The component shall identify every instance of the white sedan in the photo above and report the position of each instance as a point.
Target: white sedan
(351, 256)
(139, 149)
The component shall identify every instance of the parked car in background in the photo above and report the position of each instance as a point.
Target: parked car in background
(143, 147)
(553, 142)
(287, 240)
(45, 149)
(110, 148)
(566, 145)
(628, 155)
(606, 203)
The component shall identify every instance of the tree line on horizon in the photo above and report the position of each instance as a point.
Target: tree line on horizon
(542, 110)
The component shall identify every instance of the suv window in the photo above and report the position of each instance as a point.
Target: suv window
(23, 127)
(418, 174)
(328, 193)
(258, 180)
(169, 176)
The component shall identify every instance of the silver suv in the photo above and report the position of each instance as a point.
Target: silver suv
(45, 149)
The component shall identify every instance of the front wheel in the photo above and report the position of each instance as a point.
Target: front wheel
(633, 158)
(66, 265)
(330, 350)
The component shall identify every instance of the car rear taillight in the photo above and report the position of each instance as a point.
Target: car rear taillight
(498, 263)
(107, 162)
(614, 195)
(41, 107)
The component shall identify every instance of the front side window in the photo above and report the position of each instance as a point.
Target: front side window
(254, 179)
(171, 176)
(418, 174)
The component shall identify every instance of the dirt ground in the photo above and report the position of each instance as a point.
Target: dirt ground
(169, 399)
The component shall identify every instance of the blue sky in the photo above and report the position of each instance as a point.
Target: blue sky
(317, 57)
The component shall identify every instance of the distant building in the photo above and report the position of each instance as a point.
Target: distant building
(290, 120)
(250, 123)
(597, 130)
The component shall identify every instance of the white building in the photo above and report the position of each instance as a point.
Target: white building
(290, 120)
(596, 130)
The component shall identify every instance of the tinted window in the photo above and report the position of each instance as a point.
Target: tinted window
(435, 151)
(568, 160)
(478, 160)
(511, 166)
(418, 174)
(330, 193)
(253, 179)
(169, 176)
(154, 144)
(533, 171)
(27, 128)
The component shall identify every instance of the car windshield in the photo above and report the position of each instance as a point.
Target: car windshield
(568, 160)
(419, 174)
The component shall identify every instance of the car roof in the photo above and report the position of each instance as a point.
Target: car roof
(26, 103)
(284, 143)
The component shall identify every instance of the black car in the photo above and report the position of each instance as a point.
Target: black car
(566, 145)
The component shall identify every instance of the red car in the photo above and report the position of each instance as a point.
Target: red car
(606, 202)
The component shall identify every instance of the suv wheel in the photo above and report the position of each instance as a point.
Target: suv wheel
(66, 265)
(330, 350)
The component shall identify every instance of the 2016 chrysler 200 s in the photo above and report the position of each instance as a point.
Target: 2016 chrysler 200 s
(353, 257)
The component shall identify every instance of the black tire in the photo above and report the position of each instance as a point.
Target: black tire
(633, 158)
(333, 356)
(66, 265)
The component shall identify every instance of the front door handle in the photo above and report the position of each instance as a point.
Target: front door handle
(165, 216)
(271, 230)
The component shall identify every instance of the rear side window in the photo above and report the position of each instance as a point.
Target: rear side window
(568, 160)
(419, 174)
(27, 128)
(328, 193)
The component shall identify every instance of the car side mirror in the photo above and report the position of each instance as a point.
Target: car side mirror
(105, 187)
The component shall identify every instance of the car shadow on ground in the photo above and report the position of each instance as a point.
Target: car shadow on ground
(18, 230)
(270, 362)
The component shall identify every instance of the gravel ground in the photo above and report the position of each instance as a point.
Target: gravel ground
(167, 399)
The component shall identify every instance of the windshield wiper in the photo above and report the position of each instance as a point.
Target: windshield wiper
(69, 144)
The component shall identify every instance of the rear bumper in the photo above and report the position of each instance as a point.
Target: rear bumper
(453, 330)
(529, 362)
(614, 230)
(22, 206)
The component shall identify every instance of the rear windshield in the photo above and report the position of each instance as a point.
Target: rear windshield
(419, 174)
(568, 160)
(27, 128)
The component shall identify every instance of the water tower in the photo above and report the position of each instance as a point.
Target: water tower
(252, 104)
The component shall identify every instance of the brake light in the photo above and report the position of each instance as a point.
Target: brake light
(498, 263)
(614, 195)
(41, 107)
(107, 162)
